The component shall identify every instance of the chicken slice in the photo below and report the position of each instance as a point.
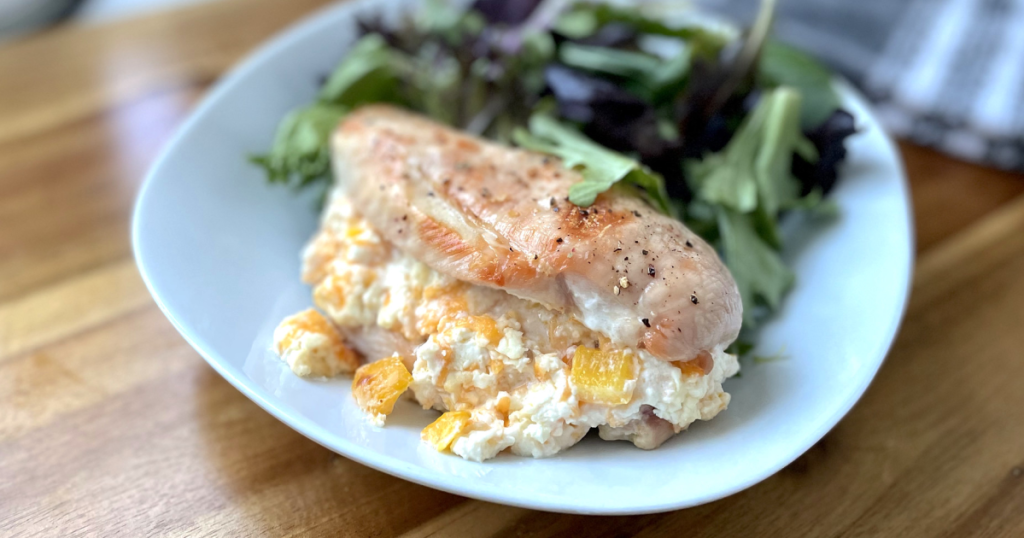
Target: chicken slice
(496, 216)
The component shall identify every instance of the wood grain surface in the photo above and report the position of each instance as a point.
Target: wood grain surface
(110, 424)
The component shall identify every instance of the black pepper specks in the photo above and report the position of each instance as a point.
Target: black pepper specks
(650, 270)
(646, 322)
(645, 252)
(559, 240)
(430, 193)
(636, 213)
(689, 244)
(693, 299)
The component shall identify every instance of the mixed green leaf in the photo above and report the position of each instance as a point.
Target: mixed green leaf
(600, 167)
(725, 133)
(300, 152)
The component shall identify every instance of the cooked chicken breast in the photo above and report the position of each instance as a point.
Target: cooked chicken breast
(493, 216)
(527, 320)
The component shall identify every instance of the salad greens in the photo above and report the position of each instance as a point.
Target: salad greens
(748, 183)
(584, 20)
(600, 167)
(300, 151)
(782, 64)
(727, 134)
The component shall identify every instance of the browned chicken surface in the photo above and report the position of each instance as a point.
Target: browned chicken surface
(494, 216)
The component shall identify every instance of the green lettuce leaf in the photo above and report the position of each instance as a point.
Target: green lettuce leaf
(367, 74)
(754, 167)
(783, 65)
(746, 186)
(300, 154)
(600, 167)
(647, 75)
(584, 19)
(759, 271)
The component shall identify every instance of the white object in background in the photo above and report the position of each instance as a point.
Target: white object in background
(219, 249)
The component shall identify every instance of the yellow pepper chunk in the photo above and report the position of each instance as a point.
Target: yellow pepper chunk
(603, 376)
(441, 433)
(354, 231)
(378, 385)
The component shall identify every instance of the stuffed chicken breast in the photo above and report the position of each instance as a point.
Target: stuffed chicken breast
(524, 319)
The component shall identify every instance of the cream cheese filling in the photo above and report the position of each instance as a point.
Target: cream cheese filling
(505, 359)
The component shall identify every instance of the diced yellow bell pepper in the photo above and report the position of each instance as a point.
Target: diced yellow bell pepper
(441, 433)
(377, 385)
(603, 376)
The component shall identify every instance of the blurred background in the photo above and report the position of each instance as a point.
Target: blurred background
(18, 17)
(947, 74)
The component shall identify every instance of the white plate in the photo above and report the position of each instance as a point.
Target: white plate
(219, 250)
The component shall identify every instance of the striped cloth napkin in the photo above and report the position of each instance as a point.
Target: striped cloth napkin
(943, 73)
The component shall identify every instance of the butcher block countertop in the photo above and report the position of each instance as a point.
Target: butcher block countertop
(110, 424)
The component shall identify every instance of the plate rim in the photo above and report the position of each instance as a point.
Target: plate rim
(434, 479)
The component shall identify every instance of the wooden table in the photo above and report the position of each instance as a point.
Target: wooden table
(111, 424)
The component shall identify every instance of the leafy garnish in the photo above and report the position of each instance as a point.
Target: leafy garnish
(783, 65)
(504, 11)
(301, 151)
(585, 19)
(600, 167)
(368, 74)
(610, 115)
(647, 75)
(300, 154)
(749, 182)
(759, 272)
(828, 138)
(433, 67)
(754, 168)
